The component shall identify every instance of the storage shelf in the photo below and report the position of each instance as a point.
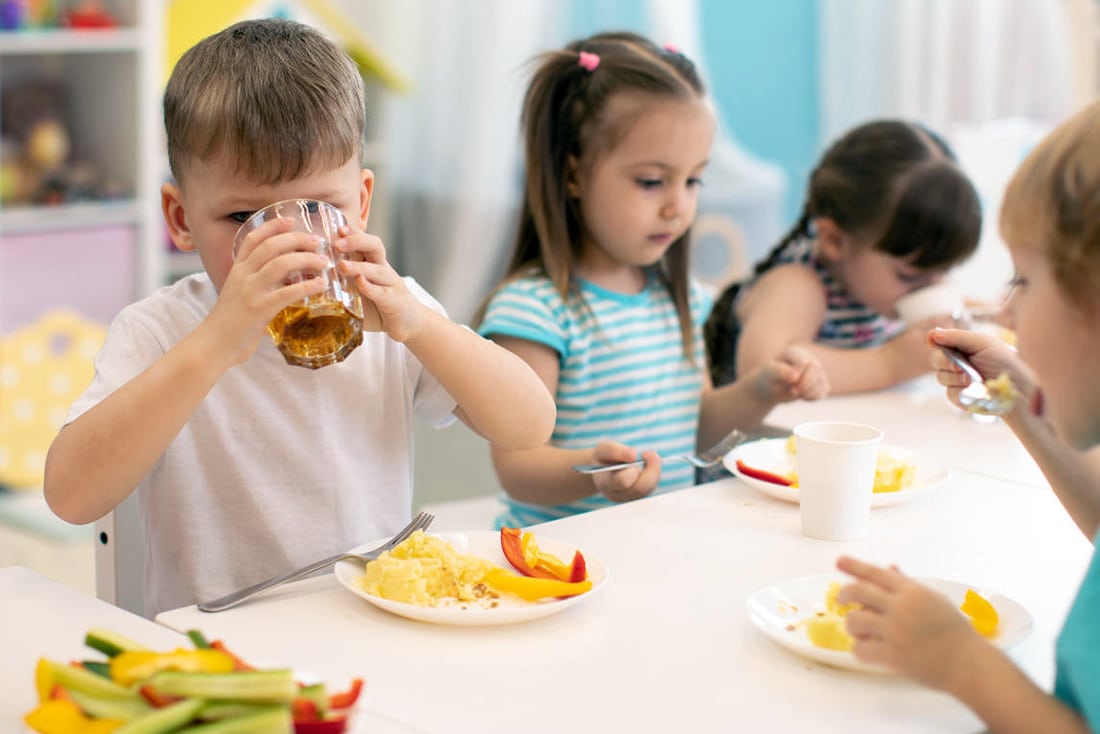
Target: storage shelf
(59, 40)
(24, 219)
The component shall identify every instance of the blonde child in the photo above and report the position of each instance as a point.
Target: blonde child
(1051, 222)
(887, 211)
(246, 467)
(598, 299)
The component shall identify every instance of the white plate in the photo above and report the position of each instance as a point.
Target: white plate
(776, 610)
(770, 454)
(510, 609)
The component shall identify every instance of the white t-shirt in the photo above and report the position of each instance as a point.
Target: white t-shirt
(279, 466)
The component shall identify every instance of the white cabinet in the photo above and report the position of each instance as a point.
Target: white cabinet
(106, 248)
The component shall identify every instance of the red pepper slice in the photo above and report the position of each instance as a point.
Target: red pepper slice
(327, 725)
(511, 545)
(238, 664)
(303, 709)
(157, 700)
(765, 476)
(346, 698)
(580, 568)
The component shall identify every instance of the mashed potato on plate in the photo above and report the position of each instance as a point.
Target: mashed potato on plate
(427, 571)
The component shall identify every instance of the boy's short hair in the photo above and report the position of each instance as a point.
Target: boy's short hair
(278, 96)
(1052, 205)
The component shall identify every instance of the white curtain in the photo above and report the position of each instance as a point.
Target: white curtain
(449, 187)
(944, 62)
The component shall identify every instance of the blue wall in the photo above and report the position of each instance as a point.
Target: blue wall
(761, 59)
(761, 67)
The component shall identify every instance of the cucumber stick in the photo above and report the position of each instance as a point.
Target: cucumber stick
(268, 720)
(126, 709)
(78, 679)
(110, 643)
(160, 721)
(268, 686)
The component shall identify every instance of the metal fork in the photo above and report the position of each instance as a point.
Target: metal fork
(702, 460)
(420, 522)
(976, 397)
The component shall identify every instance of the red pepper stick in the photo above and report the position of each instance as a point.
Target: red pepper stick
(762, 475)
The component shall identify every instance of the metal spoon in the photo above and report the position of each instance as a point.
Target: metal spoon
(976, 397)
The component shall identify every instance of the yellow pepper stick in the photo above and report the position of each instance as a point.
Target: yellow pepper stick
(65, 717)
(532, 588)
(131, 666)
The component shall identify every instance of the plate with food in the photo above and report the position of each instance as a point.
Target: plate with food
(804, 616)
(476, 578)
(769, 465)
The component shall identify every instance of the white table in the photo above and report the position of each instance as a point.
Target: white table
(918, 415)
(43, 618)
(667, 644)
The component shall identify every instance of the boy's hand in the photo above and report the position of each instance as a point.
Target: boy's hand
(388, 304)
(627, 484)
(794, 373)
(258, 285)
(904, 625)
(989, 355)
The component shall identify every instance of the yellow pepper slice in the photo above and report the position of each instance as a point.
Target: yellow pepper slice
(533, 588)
(43, 679)
(132, 666)
(982, 613)
(65, 717)
(535, 556)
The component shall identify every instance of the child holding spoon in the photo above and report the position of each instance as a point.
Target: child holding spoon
(1050, 220)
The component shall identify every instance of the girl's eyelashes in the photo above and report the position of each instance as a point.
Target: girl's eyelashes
(654, 183)
(240, 217)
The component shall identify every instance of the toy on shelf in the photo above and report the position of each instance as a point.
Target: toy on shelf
(88, 14)
(37, 165)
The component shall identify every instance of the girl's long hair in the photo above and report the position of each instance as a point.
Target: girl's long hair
(565, 116)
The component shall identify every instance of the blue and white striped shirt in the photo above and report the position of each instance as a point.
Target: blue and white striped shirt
(848, 323)
(623, 375)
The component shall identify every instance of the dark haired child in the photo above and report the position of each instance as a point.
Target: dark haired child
(887, 211)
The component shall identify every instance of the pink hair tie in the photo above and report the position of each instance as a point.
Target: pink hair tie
(588, 61)
(671, 48)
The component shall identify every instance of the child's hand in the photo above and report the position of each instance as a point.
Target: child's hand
(388, 303)
(627, 484)
(989, 355)
(905, 626)
(794, 373)
(908, 351)
(258, 285)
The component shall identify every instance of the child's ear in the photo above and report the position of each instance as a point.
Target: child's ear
(366, 193)
(832, 241)
(572, 167)
(171, 204)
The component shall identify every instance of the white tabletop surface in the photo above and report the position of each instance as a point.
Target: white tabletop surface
(43, 618)
(918, 415)
(667, 644)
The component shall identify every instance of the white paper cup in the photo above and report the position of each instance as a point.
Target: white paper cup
(836, 476)
(938, 299)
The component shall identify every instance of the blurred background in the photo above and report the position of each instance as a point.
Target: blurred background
(82, 159)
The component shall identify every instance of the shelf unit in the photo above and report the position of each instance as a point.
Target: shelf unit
(111, 112)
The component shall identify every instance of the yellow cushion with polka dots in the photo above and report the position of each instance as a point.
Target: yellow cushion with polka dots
(43, 368)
